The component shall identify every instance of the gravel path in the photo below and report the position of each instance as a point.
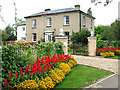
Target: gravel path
(99, 62)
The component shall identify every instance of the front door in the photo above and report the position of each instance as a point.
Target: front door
(48, 37)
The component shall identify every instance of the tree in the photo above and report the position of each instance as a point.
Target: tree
(116, 30)
(89, 11)
(106, 2)
(18, 21)
(4, 35)
(10, 31)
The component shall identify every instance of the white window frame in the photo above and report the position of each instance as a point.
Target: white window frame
(83, 21)
(34, 37)
(34, 23)
(49, 23)
(66, 20)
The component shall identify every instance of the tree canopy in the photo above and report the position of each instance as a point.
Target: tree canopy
(89, 11)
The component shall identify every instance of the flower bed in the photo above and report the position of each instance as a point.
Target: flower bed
(43, 73)
(108, 51)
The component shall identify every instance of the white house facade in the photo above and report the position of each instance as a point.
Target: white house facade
(21, 31)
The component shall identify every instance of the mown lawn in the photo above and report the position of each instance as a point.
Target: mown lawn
(115, 57)
(81, 76)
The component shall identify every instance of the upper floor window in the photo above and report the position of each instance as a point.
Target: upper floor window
(48, 21)
(34, 37)
(34, 23)
(83, 21)
(23, 28)
(66, 20)
(91, 23)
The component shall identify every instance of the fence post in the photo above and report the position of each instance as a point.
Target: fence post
(64, 40)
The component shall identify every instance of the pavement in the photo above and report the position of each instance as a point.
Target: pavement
(109, 82)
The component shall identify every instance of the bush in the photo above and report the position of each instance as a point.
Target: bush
(80, 37)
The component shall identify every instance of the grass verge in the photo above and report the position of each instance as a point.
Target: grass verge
(115, 57)
(81, 76)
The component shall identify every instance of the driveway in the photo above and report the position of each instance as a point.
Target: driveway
(98, 62)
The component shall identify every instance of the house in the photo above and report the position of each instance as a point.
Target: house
(44, 25)
(21, 31)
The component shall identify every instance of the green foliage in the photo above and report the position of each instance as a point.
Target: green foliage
(80, 37)
(109, 32)
(10, 60)
(89, 11)
(103, 43)
(10, 31)
(58, 48)
(4, 35)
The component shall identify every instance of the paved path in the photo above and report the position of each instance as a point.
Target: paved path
(109, 82)
(98, 62)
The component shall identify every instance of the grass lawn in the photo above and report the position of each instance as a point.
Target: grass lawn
(81, 76)
(115, 57)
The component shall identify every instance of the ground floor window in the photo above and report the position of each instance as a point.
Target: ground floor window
(34, 37)
(23, 38)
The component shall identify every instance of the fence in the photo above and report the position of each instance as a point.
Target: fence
(78, 49)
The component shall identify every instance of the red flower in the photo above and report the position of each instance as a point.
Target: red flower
(26, 71)
(49, 66)
(10, 75)
(44, 68)
(16, 75)
(52, 65)
(30, 75)
(20, 71)
(42, 61)
(5, 82)
(11, 88)
(38, 59)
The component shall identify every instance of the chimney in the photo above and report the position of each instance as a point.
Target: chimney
(77, 7)
(47, 9)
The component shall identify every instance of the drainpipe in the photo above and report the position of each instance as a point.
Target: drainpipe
(80, 20)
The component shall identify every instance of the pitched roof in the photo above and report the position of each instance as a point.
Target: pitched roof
(58, 11)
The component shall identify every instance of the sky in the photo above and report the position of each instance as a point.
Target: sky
(104, 15)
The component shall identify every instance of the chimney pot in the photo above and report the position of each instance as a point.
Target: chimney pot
(47, 9)
(77, 7)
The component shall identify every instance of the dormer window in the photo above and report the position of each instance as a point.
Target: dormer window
(34, 23)
(66, 20)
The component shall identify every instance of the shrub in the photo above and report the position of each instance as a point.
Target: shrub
(80, 37)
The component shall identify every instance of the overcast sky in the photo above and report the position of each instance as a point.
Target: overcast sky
(103, 15)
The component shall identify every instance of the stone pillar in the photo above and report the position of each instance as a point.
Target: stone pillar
(92, 46)
(64, 40)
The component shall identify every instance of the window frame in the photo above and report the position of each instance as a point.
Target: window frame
(34, 38)
(34, 23)
(84, 21)
(66, 20)
(49, 21)
(23, 28)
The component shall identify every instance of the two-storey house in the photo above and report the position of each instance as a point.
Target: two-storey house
(48, 23)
